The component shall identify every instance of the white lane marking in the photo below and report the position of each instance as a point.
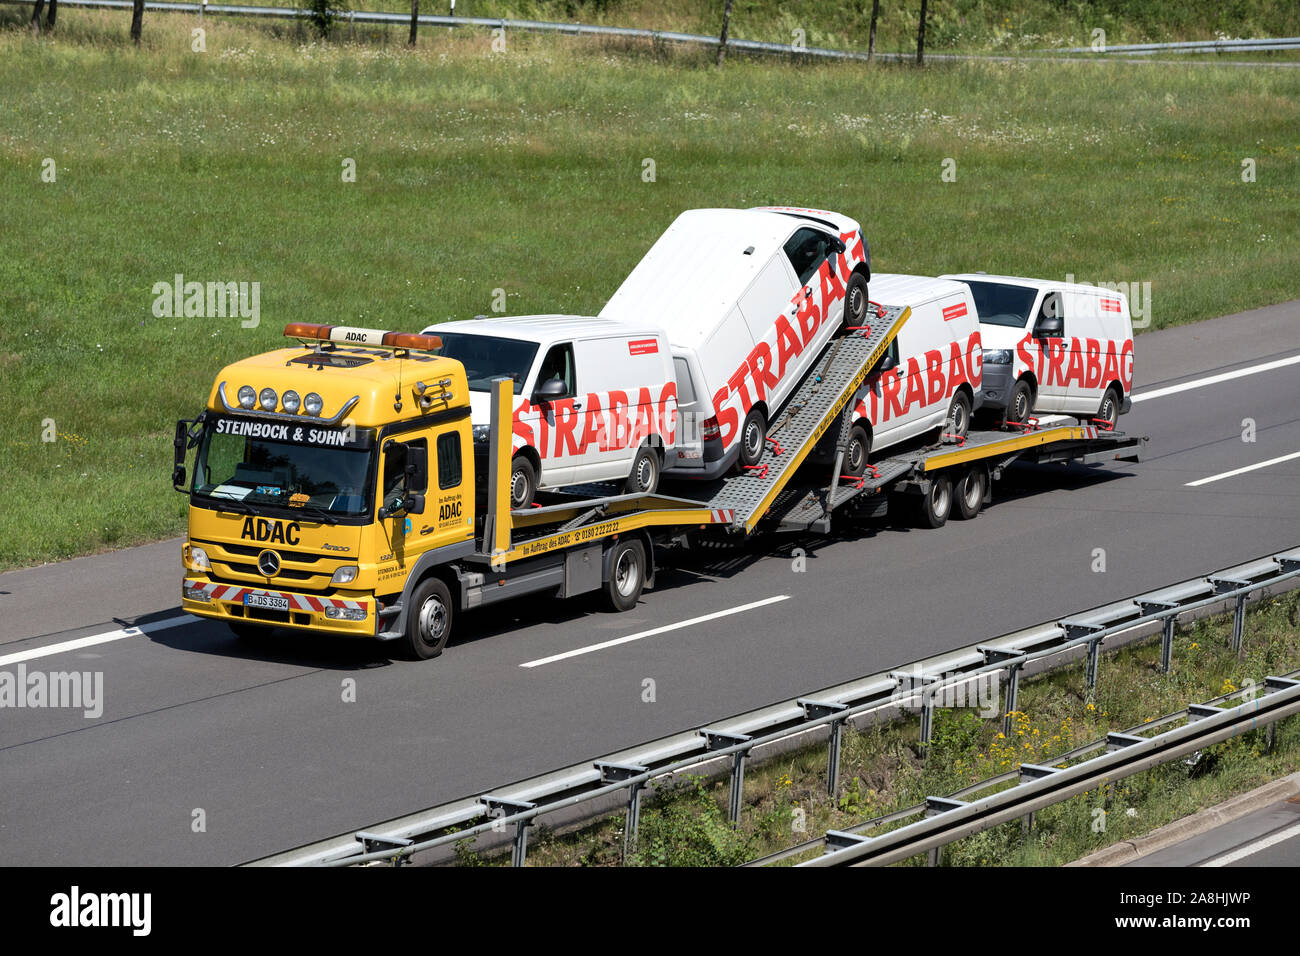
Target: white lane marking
(658, 630)
(94, 639)
(1250, 849)
(1241, 471)
(1216, 379)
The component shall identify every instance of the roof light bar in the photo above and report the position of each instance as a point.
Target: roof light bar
(351, 335)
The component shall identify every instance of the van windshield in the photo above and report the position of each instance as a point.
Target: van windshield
(1001, 304)
(486, 357)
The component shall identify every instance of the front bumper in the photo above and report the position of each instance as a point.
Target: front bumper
(228, 602)
(995, 385)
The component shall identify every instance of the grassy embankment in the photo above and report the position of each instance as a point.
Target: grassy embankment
(524, 171)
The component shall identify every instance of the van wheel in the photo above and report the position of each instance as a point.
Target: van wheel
(753, 433)
(936, 505)
(626, 575)
(428, 622)
(644, 478)
(970, 492)
(855, 301)
(1020, 405)
(250, 633)
(1109, 410)
(958, 420)
(855, 455)
(523, 483)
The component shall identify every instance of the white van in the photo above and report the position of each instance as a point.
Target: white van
(1054, 347)
(930, 377)
(749, 298)
(595, 400)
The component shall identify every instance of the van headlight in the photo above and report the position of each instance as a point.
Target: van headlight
(482, 433)
(345, 575)
(997, 357)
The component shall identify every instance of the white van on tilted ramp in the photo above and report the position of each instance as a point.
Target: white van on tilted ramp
(594, 399)
(1053, 347)
(749, 298)
(930, 378)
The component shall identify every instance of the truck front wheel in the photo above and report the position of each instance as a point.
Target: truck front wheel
(626, 575)
(428, 623)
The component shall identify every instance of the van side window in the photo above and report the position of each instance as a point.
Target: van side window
(1053, 305)
(685, 385)
(558, 364)
(449, 460)
(891, 352)
(806, 249)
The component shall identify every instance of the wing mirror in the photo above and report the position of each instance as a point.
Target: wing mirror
(550, 391)
(1049, 325)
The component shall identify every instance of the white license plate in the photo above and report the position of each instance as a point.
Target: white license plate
(272, 602)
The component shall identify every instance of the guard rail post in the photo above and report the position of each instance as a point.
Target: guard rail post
(504, 807)
(613, 773)
(996, 655)
(1167, 630)
(933, 807)
(815, 710)
(1271, 685)
(1224, 585)
(720, 740)
(1074, 629)
(1032, 771)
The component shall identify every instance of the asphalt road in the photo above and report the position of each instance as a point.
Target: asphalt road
(1267, 837)
(207, 752)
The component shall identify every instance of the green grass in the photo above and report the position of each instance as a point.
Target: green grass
(881, 772)
(523, 171)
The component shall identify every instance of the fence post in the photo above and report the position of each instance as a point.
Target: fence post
(1032, 771)
(1167, 632)
(815, 710)
(720, 740)
(505, 807)
(996, 655)
(1223, 585)
(613, 773)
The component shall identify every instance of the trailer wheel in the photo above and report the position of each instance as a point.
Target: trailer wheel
(970, 492)
(644, 477)
(626, 575)
(250, 633)
(523, 482)
(958, 420)
(936, 505)
(855, 455)
(1020, 404)
(429, 620)
(1109, 409)
(753, 433)
(855, 301)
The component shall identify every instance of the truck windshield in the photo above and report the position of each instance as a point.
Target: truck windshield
(486, 357)
(284, 474)
(1000, 304)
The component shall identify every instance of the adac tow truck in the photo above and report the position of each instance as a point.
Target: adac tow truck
(334, 488)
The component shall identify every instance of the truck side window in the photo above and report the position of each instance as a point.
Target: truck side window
(558, 364)
(806, 249)
(395, 469)
(449, 460)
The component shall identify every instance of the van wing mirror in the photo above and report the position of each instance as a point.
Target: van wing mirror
(551, 390)
(1048, 325)
(887, 363)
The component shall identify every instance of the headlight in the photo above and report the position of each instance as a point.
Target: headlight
(194, 593)
(199, 559)
(346, 613)
(267, 398)
(345, 574)
(291, 401)
(247, 396)
(482, 433)
(312, 404)
(997, 357)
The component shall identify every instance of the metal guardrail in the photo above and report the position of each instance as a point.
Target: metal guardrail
(921, 685)
(947, 819)
(665, 36)
(1264, 44)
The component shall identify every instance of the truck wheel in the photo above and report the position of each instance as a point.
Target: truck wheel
(429, 620)
(644, 478)
(937, 504)
(1020, 404)
(753, 433)
(250, 633)
(958, 420)
(855, 456)
(626, 575)
(970, 492)
(1109, 410)
(523, 483)
(855, 301)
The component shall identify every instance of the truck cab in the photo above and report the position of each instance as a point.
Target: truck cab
(324, 475)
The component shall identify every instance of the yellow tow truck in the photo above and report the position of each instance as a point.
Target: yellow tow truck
(335, 488)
